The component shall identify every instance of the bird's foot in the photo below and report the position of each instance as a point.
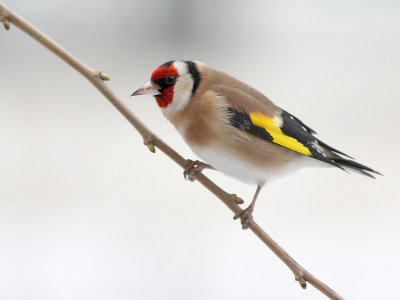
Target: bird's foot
(245, 215)
(192, 167)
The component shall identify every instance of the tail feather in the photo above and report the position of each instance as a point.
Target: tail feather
(331, 149)
(347, 163)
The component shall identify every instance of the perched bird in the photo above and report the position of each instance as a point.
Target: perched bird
(235, 129)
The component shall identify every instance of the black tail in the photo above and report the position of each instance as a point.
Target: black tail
(327, 147)
(347, 163)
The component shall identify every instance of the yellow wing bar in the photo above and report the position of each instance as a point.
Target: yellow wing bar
(278, 137)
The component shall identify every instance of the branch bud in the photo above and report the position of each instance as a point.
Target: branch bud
(6, 24)
(104, 76)
(239, 200)
(302, 281)
(151, 147)
(148, 141)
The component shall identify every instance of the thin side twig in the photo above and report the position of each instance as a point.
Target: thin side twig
(97, 78)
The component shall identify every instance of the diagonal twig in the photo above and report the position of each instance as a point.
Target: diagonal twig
(97, 78)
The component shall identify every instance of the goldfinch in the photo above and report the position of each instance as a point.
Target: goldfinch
(235, 129)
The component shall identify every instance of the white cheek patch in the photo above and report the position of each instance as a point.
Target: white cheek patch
(182, 94)
(183, 91)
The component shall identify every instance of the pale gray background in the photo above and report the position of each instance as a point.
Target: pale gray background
(87, 212)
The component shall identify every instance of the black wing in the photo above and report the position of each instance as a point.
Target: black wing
(293, 134)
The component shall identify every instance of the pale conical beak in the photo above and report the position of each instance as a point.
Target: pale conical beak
(149, 88)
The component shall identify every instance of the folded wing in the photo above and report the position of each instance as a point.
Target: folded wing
(288, 131)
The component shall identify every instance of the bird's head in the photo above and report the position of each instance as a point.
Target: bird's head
(173, 84)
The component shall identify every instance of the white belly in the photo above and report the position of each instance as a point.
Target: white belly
(234, 166)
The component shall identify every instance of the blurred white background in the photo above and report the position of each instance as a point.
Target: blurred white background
(87, 212)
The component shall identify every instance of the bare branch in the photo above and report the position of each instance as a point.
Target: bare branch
(8, 16)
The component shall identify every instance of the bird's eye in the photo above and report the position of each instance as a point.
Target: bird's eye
(170, 80)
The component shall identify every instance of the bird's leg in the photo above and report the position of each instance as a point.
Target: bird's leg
(246, 215)
(192, 167)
